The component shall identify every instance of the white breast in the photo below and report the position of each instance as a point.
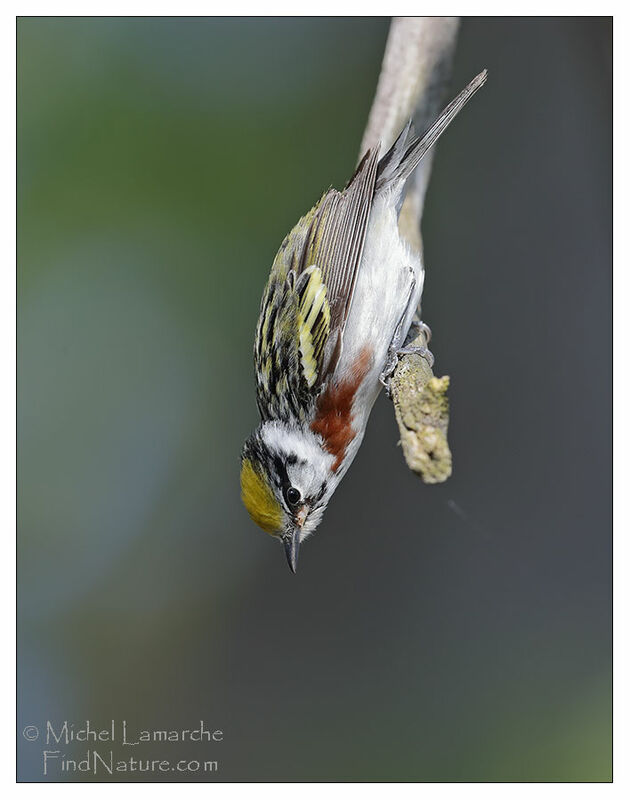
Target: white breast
(385, 277)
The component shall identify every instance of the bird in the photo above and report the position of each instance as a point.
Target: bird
(341, 297)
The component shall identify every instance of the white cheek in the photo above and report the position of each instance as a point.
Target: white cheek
(304, 478)
(312, 521)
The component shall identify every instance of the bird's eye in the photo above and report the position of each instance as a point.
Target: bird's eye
(293, 496)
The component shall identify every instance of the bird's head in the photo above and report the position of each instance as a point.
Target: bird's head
(286, 482)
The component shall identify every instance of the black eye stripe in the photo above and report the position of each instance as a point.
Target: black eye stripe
(280, 469)
(321, 492)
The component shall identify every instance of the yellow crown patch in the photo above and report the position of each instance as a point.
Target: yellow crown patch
(259, 500)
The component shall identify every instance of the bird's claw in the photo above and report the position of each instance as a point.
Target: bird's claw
(418, 351)
(418, 326)
(393, 358)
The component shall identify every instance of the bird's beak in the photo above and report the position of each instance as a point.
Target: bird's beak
(291, 548)
(292, 540)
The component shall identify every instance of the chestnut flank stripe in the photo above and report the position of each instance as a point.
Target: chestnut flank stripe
(333, 421)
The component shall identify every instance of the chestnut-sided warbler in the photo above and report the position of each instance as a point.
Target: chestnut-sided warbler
(335, 314)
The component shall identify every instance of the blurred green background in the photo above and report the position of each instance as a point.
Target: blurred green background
(459, 632)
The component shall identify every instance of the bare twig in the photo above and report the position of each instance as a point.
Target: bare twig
(416, 67)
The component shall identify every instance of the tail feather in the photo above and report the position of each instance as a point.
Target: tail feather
(390, 162)
(403, 156)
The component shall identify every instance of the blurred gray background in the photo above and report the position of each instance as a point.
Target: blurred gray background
(457, 632)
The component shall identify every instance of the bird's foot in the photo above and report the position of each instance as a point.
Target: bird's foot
(385, 378)
(417, 326)
(393, 357)
(418, 351)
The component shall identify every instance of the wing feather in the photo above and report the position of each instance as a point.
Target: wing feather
(339, 247)
(308, 296)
